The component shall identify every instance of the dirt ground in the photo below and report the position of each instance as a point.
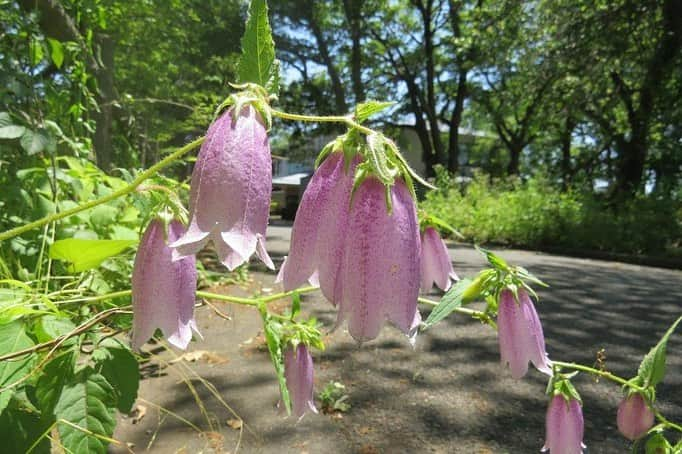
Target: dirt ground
(447, 395)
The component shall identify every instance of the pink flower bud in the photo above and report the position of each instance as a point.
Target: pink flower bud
(380, 272)
(163, 289)
(230, 191)
(520, 334)
(564, 426)
(436, 264)
(298, 371)
(635, 418)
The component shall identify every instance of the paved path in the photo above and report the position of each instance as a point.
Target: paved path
(448, 395)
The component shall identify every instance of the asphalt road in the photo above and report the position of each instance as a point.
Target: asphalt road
(447, 395)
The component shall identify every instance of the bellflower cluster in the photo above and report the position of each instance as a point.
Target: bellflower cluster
(520, 334)
(163, 289)
(298, 371)
(436, 264)
(367, 259)
(564, 426)
(230, 190)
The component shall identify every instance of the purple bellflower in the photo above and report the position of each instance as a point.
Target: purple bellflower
(564, 426)
(520, 334)
(298, 371)
(318, 234)
(635, 418)
(436, 264)
(163, 289)
(367, 260)
(230, 191)
(380, 272)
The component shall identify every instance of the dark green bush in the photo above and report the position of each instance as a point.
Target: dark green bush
(535, 214)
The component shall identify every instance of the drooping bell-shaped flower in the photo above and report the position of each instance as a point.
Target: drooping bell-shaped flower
(436, 264)
(298, 371)
(520, 334)
(564, 426)
(319, 231)
(163, 289)
(635, 418)
(380, 270)
(230, 190)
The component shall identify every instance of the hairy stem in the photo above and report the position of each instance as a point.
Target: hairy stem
(346, 119)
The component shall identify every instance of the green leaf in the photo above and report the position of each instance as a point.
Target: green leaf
(257, 63)
(658, 444)
(118, 365)
(273, 339)
(51, 327)
(450, 301)
(495, 260)
(88, 402)
(13, 338)
(20, 430)
(35, 50)
(12, 131)
(56, 52)
(55, 375)
(652, 368)
(366, 109)
(103, 216)
(37, 141)
(86, 254)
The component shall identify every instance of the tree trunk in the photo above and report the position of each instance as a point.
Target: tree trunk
(455, 121)
(566, 168)
(337, 86)
(106, 94)
(515, 149)
(353, 11)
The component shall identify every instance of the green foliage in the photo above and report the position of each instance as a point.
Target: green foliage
(86, 254)
(333, 398)
(88, 403)
(13, 337)
(652, 369)
(258, 64)
(452, 299)
(536, 214)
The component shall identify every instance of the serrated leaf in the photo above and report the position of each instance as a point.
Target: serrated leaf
(56, 373)
(88, 402)
(13, 338)
(257, 63)
(120, 368)
(366, 109)
(56, 52)
(448, 303)
(272, 338)
(652, 369)
(12, 131)
(86, 254)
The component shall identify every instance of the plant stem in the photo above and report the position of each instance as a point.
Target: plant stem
(346, 119)
(600, 373)
(252, 301)
(114, 195)
(482, 316)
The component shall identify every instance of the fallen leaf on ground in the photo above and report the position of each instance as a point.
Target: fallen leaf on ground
(138, 413)
(235, 424)
(199, 355)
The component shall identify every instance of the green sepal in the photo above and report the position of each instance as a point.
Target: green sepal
(428, 220)
(658, 444)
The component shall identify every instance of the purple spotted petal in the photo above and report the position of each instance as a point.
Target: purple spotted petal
(436, 264)
(230, 191)
(163, 289)
(318, 235)
(298, 371)
(564, 427)
(381, 262)
(520, 335)
(635, 418)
